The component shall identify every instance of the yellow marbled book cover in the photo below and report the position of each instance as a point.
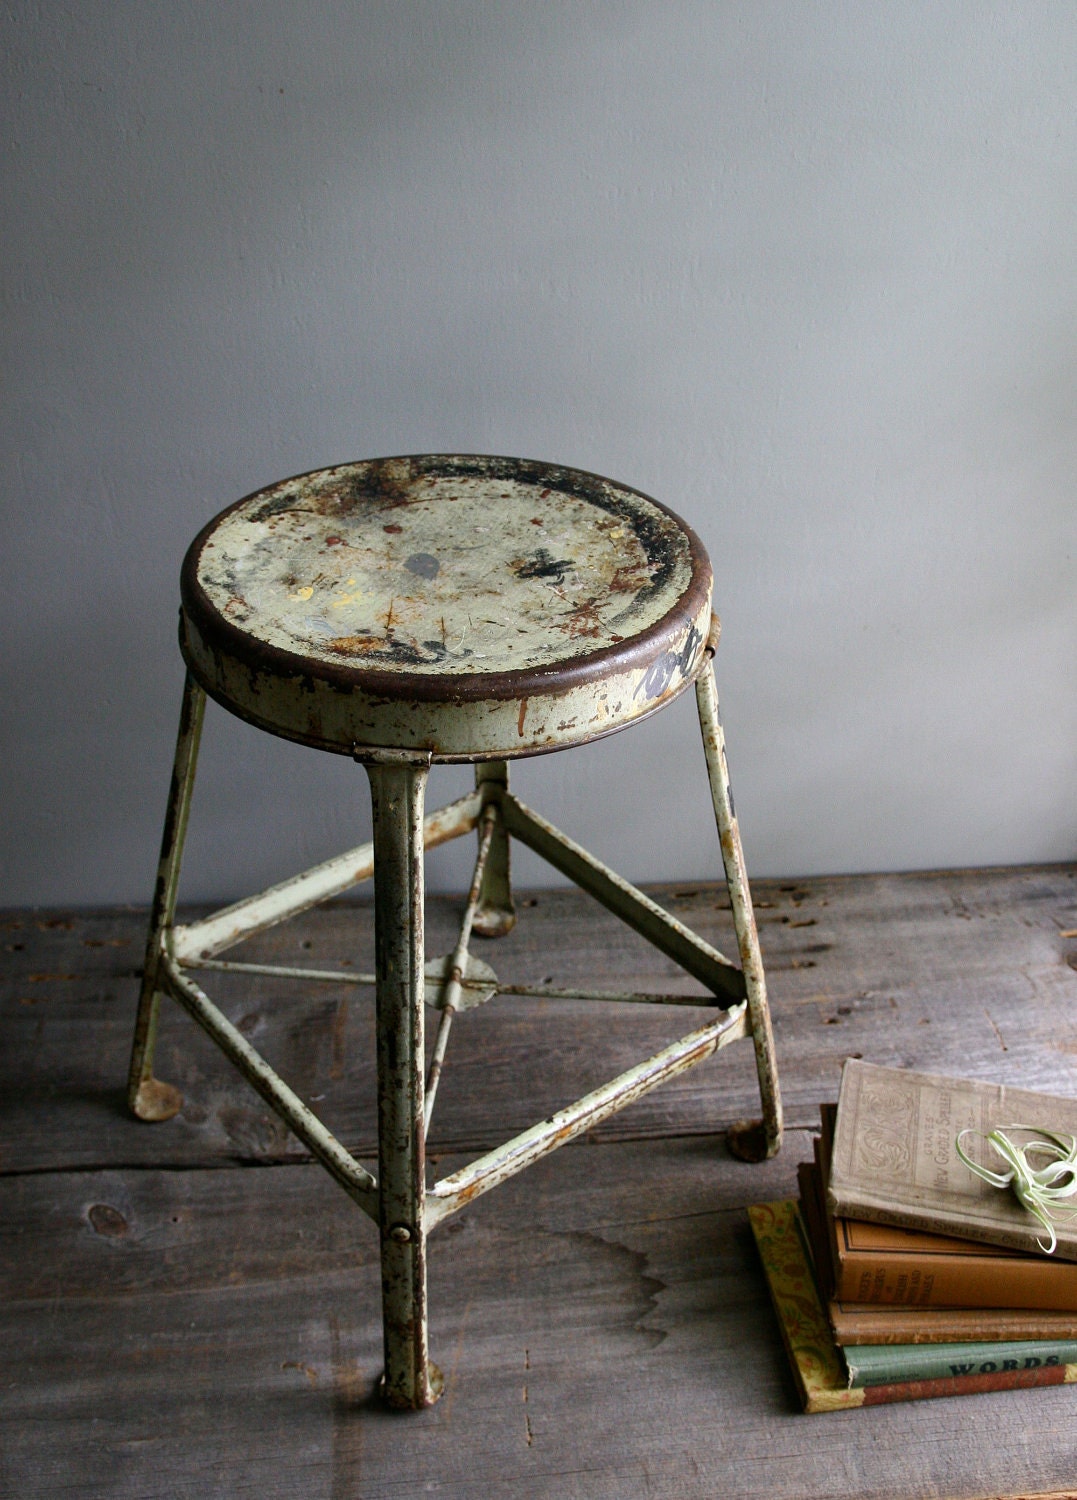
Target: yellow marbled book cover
(813, 1355)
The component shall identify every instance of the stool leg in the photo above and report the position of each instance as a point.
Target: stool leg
(398, 787)
(495, 914)
(148, 1097)
(751, 1140)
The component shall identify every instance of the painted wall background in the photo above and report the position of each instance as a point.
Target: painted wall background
(807, 273)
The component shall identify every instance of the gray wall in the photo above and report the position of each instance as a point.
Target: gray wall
(805, 271)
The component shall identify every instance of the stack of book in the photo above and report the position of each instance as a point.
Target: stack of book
(900, 1274)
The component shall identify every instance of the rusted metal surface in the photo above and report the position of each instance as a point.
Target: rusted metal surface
(281, 971)
(478, 607)
(356, 1181)
(409, 610)
(749, 1139)
(479, 1176)
(148, 1097)
(478, 985)
(245, 918)
(450, 995)
(496, 913)
(614, 997)
(451, 992)
(671, 937)
(398, 788)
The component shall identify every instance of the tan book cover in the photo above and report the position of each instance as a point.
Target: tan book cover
(894, 1159)
(881, 1263)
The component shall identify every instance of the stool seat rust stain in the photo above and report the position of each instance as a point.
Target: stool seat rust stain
(545, 604)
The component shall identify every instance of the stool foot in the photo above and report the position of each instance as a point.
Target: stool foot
(747, 1140)
(493, 922)
(435, 1387)
(495, 914)
(154, 1100)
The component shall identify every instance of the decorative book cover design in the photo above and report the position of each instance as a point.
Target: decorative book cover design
(908, 1268)
(894, 1159)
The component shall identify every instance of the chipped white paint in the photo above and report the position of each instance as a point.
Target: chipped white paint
(443, 570)
(470, 606)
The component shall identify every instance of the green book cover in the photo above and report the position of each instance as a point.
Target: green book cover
(883, 1364)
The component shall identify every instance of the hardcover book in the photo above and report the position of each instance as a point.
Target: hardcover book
(879, 1263)
(889, 1323)
(883, 1364)
(853, 1324)
(894, 1159)
(813, 1355)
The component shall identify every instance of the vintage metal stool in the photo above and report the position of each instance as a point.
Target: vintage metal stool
(407, 611)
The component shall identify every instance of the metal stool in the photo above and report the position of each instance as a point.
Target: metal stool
(407, 611)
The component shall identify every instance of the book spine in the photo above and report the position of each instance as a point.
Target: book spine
(969, 1385)
(813, 1216)
(903, 1279)
(813, 1356)
(890, 1364)
(853, 1324)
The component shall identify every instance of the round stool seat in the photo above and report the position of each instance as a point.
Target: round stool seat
(473, 607)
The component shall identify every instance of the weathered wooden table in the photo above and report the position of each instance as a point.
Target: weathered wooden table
(195, 1310)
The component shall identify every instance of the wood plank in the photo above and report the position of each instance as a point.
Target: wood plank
(964, 971)
(602, 1323)
(175, 1326)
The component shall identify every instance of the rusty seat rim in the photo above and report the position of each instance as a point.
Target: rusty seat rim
(634, 653)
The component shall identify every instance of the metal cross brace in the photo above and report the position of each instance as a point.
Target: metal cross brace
(398, 1197)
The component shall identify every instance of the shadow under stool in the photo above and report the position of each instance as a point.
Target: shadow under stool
(419, 610)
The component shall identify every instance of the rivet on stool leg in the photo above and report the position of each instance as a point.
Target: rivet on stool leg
(751, 1140)
(398, 785)
(148, 1097)
(496, 913)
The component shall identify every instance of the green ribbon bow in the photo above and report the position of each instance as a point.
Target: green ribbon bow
(1038, 1189)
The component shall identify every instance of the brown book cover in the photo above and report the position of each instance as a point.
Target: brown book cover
(879, 1263)
(814, 1216)
(877, 1323)
(894, 1161)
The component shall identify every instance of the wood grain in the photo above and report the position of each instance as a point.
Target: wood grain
(909, 969)
(192, 1309)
